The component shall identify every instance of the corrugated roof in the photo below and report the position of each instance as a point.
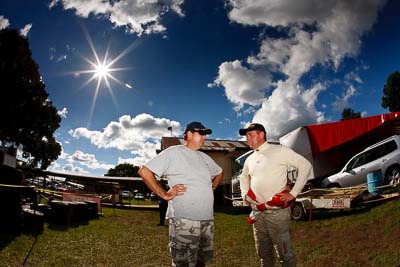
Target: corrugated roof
(209, 144)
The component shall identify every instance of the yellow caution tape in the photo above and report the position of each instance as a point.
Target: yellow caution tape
(17, 186)
(47, 191)
(31, 186)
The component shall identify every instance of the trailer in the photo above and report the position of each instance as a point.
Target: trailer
(329, 146)
(312, 199)
(340, 198)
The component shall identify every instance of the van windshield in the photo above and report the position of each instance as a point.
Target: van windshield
(239, 162)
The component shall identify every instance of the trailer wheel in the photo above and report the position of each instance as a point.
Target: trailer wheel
(297, 211)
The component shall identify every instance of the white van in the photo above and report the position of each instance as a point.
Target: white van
(237, 200)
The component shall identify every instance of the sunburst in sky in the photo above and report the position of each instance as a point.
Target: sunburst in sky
(102, 70)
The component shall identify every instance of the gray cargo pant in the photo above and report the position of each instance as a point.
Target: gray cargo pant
(272, 233)
(191, 241)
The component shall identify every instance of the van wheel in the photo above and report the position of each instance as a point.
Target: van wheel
(297, 211)
(392, 176)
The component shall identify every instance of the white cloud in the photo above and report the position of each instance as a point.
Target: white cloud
(137, 16)
(55, 55)
(278, 13)
(225, 121)
(242, 85)
(313, 33)
(78, 157)
(88, 160)
(69, 168)
(63, 113)
(342, 101)
(128, 133)
(176, 6)
(61, 58)
(24, 31)
(84, 8)
(74, 169)
(142, 155)
(140, 134)
(353, 77)
(288, 105)
(146, 152)
(63, 155)
(54, 166)
(4, 22)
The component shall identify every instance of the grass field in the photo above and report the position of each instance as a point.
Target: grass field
(126, 237)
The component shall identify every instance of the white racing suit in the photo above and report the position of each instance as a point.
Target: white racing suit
(271, 226)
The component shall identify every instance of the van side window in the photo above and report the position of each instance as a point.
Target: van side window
(374, 154)
(357, 161)
(380, 151)
(389, 147)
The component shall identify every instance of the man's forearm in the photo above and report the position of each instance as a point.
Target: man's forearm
(217, 180)
(151, 182)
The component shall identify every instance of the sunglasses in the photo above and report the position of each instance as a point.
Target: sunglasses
(200, 132)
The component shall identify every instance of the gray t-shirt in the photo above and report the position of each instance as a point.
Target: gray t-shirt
(194, 169)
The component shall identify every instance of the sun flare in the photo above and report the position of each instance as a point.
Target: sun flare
(102, 70)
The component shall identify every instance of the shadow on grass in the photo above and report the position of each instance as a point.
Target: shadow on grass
(359, 208)
(66, 225)
(316, 214)
(232, 210)
(325, 214)
(7, 238)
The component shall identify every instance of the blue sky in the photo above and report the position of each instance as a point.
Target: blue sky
(225, 63)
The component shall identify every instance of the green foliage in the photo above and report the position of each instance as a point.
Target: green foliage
(349, 113)
(123, 170)
(391, 92)
(27, 117)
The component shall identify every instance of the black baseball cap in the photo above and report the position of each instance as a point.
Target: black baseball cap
(196, 126)
(252, 127)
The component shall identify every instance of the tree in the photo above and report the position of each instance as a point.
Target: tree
(391, 92)
(128, 170)
(349, 113)
(123, 170)
(28, 118)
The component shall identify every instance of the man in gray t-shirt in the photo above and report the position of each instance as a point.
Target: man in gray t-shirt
(192, 176)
